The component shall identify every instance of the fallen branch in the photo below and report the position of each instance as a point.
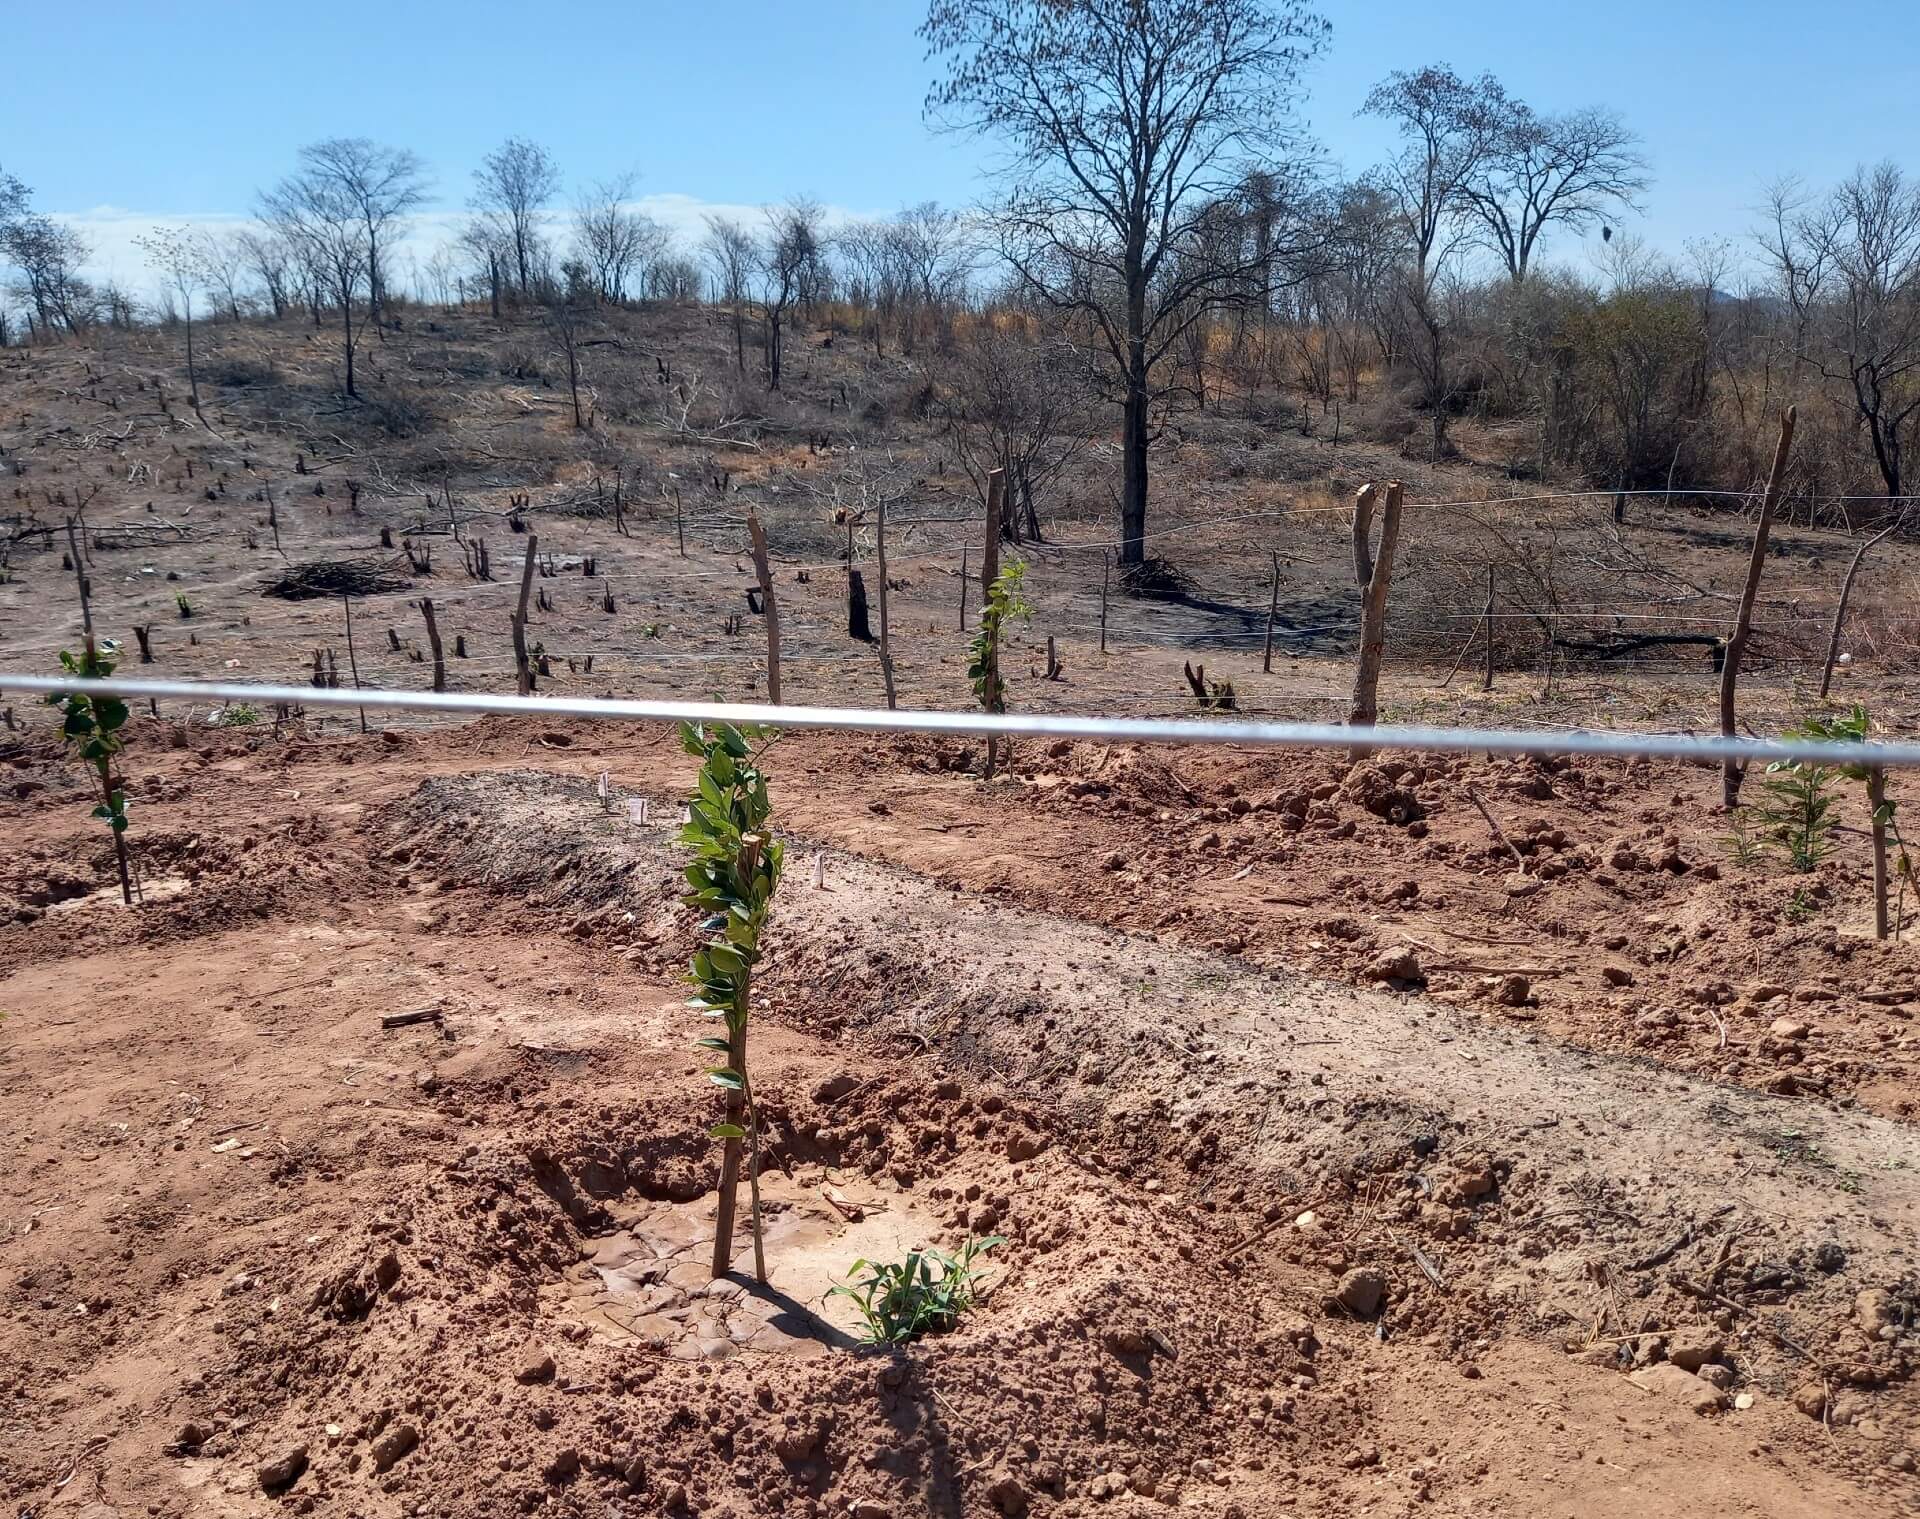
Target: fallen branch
(418, 1015)
(1518, 859)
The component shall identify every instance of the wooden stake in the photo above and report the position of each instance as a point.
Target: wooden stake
(886, 645)
(963, 588)
(768, 608)
(990, 572)
(1840, 611)
(1486, 678)
(1733, 772)
(433, 642)
(1106, 576)
(352, 663)
(679, 522)
(1273, 611)
(1374, 574)
(1877, 804)
(524, 669)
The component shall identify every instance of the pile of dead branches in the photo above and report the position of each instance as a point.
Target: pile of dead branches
(337, 577)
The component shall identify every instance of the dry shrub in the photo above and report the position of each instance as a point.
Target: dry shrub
(239, 372)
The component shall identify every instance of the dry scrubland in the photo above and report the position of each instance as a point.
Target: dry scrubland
(1344, 1168)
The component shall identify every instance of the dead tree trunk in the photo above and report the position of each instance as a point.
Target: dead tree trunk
(521, 665)
(1733, 772)
(1373, 572)
(769, 609)
(1840, 611)
(886, 643)
(858, 626)
(433, 642)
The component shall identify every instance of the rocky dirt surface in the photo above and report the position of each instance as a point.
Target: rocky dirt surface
(1308, 1209)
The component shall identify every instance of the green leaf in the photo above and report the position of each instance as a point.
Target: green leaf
(721, 1076)
(726, 1131)
(722, 1045)
(110, 711)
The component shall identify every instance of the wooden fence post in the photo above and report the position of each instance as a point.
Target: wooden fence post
(1733, 772)
(989, 572)
(433, 642)
(353, 664)
(886, 644)
(1106, 576)
(1373, 571)
(1486, 678)
(1273, 610)
(963, 588)
(768, 608)
(521, 664)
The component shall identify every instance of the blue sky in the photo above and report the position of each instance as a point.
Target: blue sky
(158, 109)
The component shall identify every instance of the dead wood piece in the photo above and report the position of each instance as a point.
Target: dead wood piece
(418, 1015)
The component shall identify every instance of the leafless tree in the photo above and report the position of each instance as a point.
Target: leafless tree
(1127, 121)
(790, 266)
(1850, 264)
(180, 256)
(49, 257)
(1019, 406)
(440, 274)
(269, 256)
(1448, 127)
(1544, 171)
(382, 184)
(14, 198)
(876, 268)
(616, 240)
(491, 255)
(511, 187)
(323, 222)
(932, 251)
(732, 253)
(223, 263)
(569, 316)
(673, 277)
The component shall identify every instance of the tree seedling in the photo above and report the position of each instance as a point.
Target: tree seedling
(1883, 830)
(1795, 814)
(732, 878)
(91, 727)
(1004, 603)
(185, 607)
(925, 1294)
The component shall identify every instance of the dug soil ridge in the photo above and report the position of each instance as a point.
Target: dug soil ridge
(1490, 1178)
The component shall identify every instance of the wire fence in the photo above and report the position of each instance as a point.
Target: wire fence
(1213, 730)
